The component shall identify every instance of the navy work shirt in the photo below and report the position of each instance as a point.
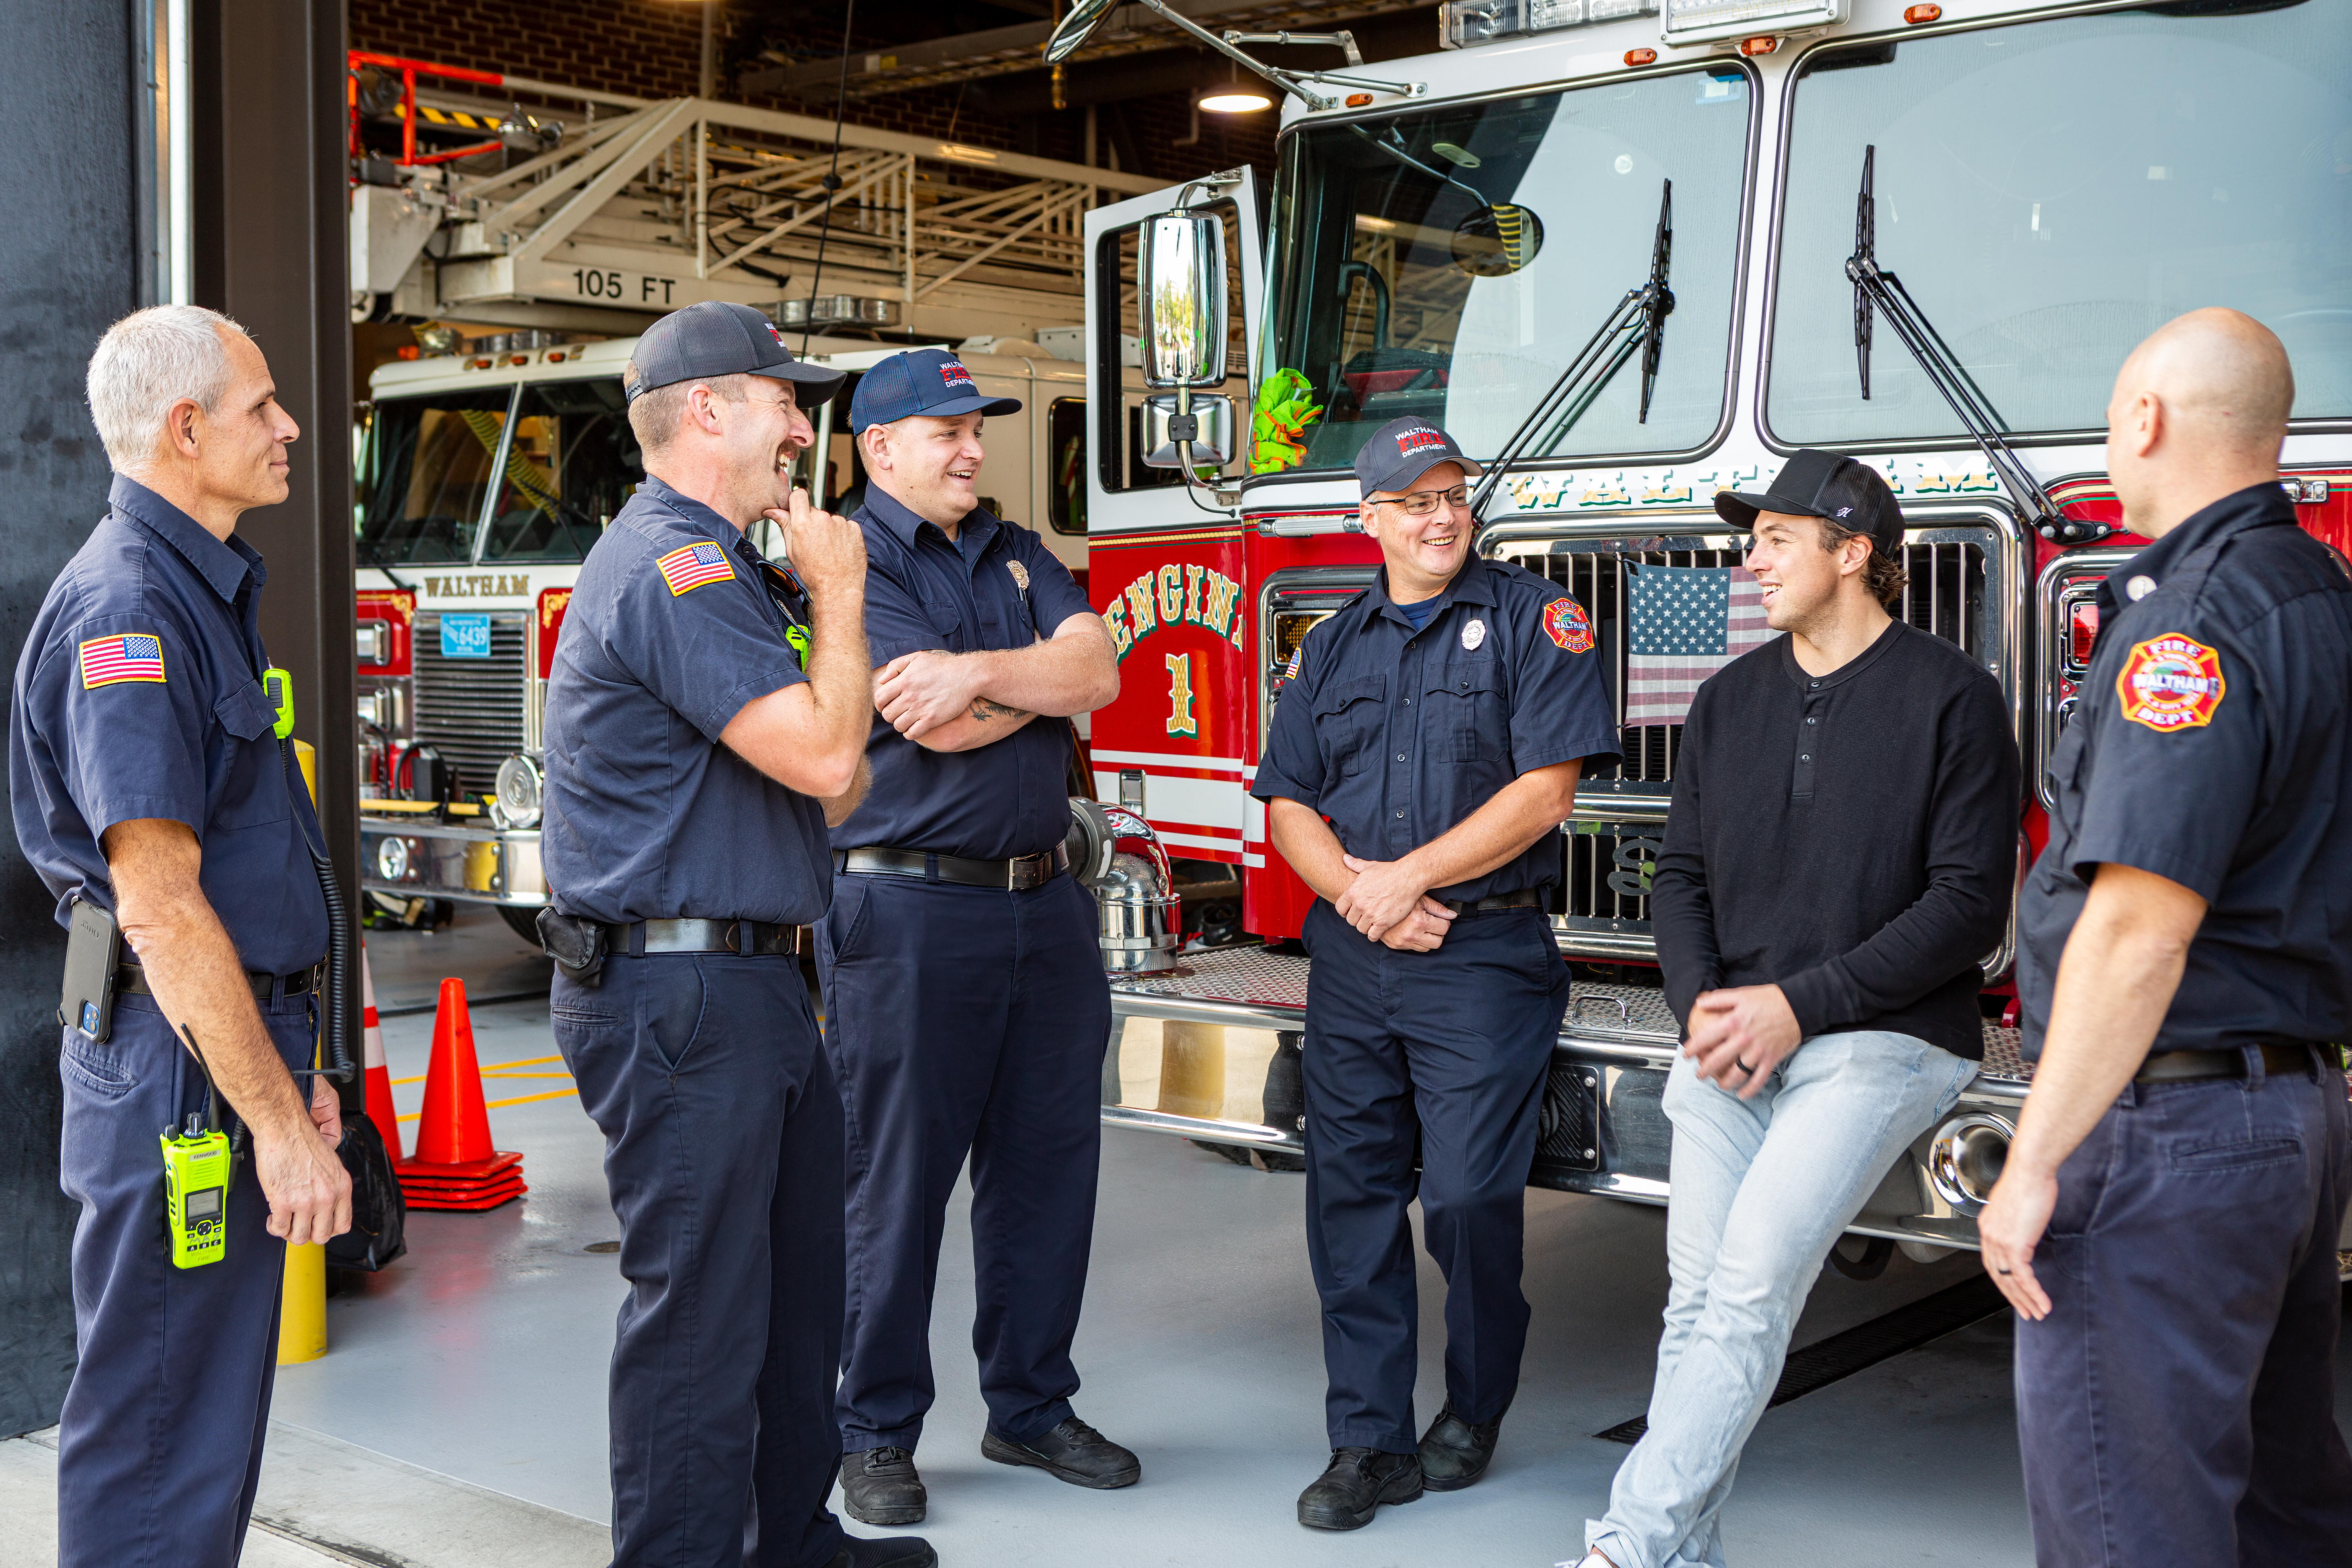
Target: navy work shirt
(1397, 735)
(994, 585)
(2212, 747)
(139, 695)
(668, 635)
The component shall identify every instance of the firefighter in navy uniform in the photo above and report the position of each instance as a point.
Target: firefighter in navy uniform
(966, 1008)
(145, 779)
(687, 752)
(1439, 722)
(2166, 1219)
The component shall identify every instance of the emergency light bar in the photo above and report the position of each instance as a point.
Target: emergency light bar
(1462, 23)
(1697, 21)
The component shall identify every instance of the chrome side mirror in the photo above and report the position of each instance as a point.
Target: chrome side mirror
(1181, 269)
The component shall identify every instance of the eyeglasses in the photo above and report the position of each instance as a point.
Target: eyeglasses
(1420, 503)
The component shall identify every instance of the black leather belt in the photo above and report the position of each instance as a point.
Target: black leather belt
(749, 939)
(1017, 875)
(130, 980)
(1516, 898)
(2175, 1066)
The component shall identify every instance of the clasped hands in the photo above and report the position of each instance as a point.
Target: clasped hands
(1739, 1034)
(1388, 901)
(918, 692)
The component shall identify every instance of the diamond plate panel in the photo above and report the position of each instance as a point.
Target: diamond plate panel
(2002, 1058)
(1250, 975)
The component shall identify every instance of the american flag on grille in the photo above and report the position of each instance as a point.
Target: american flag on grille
(1688, 623)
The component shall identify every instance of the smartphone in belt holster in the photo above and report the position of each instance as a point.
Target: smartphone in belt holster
(93, 954)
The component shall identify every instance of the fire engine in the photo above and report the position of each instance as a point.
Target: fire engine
(1629, 255)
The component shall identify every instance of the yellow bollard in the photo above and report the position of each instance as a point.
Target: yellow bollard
(1192, 1069)
(302, 1310)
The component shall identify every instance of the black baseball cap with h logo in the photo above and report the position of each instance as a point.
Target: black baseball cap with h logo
(1827, 485)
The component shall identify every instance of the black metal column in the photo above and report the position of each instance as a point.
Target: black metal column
(272, 253)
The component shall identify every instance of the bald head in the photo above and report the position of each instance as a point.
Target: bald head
(2200, 411)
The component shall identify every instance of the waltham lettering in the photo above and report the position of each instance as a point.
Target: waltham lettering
(1175, 595)
(480, 586)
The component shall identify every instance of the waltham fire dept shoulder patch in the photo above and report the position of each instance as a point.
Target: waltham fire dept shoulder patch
(692, 566)
(105, 661)
(1565, 623)
(2171, 682)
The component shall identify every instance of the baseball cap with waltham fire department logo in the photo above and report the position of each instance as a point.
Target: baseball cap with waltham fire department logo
(715, 337)
(921, 380)
(1814, 483)
(1402, 450)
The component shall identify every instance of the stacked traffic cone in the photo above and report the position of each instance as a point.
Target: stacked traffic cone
(379, 1076)
(454, 1167)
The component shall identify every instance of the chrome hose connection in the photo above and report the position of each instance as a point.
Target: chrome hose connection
(1115, 855)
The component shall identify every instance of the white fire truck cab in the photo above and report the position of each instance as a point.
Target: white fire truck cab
(1645, 255)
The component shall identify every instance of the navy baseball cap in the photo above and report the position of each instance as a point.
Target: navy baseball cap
(1830, 485)
(1402, 450)
(715, 337)
(921, 380)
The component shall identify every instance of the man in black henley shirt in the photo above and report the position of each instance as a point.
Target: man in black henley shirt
(1838, 859)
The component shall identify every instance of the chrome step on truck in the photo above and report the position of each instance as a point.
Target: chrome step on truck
(1194, 1052)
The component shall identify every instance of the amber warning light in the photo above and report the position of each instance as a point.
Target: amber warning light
(1915, 14)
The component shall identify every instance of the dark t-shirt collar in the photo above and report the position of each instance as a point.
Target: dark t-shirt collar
(1471, 586)
(1894, 628)
(224, 565)
(2233, 513)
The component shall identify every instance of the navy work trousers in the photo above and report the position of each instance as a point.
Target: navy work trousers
(722, 1149)
(159, 1446)
(2177, 1405)
(1442, 1053)
(965, 1020)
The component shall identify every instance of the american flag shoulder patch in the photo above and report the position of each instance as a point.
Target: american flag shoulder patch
(692, 566)
(128, 657)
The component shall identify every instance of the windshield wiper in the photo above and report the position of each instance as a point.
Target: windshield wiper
(1639, 322)
(1877, 289)
(372, 555)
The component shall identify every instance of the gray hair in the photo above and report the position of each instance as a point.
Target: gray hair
(147, 361)
(655, 415)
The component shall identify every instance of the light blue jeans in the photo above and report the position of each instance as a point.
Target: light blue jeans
(1762, 1188)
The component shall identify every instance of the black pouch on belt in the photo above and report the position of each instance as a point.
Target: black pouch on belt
(577, 946)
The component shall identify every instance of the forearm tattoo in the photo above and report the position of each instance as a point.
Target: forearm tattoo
(983, 710)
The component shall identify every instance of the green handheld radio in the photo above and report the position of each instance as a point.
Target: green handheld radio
(197, 1170)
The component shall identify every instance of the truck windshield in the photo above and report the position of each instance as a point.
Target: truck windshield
(1446, 264)
(426, 463)
(572, 463)
(2051, 193)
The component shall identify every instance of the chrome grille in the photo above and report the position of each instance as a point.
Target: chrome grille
(1605, 900)
(471, 709)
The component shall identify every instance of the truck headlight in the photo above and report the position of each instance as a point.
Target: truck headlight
(392, 859)
(516, 802)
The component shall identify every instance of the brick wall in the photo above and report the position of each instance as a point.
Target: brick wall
(652, 48)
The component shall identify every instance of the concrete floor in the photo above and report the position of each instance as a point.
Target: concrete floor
(481, 1356)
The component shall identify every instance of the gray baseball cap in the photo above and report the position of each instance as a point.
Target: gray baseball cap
(716, 338)
(1402, 450)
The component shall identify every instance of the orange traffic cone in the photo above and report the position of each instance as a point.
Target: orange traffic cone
(379, 1076)
(455, 1167)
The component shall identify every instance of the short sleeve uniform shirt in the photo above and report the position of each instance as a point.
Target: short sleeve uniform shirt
(1397, 734)
(138, 695)
(994, 585)
(671, 632)
(2212, 746)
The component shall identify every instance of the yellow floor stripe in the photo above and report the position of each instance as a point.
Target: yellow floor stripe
(517, 1100)
(493, 1070)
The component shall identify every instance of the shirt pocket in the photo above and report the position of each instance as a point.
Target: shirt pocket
(1464, 719)
(946, 619)
(1351, 722)
(253, 787)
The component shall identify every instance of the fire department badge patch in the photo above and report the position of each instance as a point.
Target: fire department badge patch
(1020, 574)
(1565, 623)
(1472, 634)
(2170, 682)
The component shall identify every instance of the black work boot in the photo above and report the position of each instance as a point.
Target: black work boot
(893, 1552)
(880, 1486)
(1073, 1452)
(1455, 1453)
(1358, 1481)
